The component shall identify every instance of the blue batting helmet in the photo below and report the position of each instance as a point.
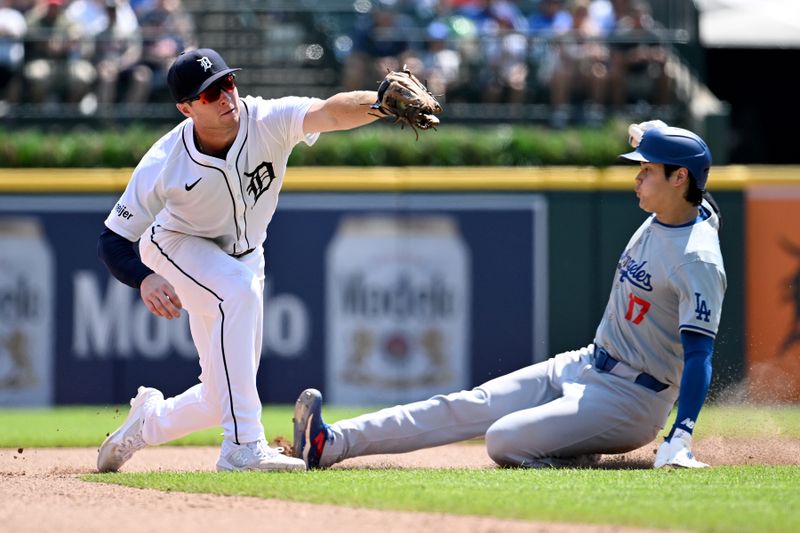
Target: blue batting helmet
(674, 146)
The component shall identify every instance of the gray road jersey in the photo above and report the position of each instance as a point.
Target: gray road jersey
(668, 279)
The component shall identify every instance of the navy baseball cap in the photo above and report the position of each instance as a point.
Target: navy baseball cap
(194, 71)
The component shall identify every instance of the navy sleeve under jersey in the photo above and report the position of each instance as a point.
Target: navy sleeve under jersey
(119, 256)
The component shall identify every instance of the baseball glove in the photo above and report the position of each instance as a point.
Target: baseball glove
(402, 96)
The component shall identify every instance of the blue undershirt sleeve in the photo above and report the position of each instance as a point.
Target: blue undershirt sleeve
(119, 256)
(697, 350)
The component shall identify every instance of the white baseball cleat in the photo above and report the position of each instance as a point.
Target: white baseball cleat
(127, 439)
(256, 455)
(677, 452)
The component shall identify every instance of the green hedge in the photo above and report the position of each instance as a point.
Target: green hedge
(90, 148)
(377, 145)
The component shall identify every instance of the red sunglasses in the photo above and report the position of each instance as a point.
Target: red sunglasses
(212, 93)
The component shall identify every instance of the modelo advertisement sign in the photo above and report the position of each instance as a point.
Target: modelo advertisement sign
(26, 313)
(398, 303)
(373, 298)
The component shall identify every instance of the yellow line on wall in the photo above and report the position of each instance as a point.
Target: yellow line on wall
(61, 180)
(399, 179)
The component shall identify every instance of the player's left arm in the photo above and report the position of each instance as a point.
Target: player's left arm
(342, 111)
(701, 287)
(676, 449)
(696, 377)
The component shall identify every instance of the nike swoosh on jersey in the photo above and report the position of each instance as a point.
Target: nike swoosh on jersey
(190, 187)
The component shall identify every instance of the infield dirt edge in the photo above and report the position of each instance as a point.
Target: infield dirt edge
(46, 484)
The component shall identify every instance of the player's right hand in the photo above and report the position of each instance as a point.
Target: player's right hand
(160, 297)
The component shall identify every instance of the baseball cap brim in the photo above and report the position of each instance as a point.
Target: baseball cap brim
(207, 83)
(635, 157)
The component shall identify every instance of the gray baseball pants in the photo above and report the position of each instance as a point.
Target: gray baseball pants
(559, 408)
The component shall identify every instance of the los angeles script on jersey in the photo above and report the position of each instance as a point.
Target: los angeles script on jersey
(634, 272)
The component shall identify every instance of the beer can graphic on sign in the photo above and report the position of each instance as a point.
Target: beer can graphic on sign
(398, 309)
(26, 310)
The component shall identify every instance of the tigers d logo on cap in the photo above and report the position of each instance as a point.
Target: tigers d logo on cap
(193, 71)
(205, 63)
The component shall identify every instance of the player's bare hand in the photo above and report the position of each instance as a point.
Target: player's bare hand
(160, 297)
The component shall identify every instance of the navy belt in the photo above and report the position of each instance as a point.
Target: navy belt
(603, 362)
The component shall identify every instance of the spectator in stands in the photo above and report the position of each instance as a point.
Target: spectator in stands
(167, 30)
(426, 11)
(380, 43)
(461, 46)
(546, 24)
(441, 64)
(460, 5)
(485, 12)
(502, 29)
(92, 16)
(603, 14)
(12, 53)
(23, 6)
(56, 68)
(550, 19)
(141, 7)
(472, 9)
(638, 59)
(118, 49)
(582, 67)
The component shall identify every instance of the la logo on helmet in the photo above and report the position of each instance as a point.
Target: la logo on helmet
(205, 63)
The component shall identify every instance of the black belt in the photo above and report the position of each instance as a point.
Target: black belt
(237, 256)
(603, 362)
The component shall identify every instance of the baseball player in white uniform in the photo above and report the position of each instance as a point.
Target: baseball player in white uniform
(655, 340)
(199, 204)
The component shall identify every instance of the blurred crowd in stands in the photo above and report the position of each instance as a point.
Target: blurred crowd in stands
(586, 58)
(89, 52)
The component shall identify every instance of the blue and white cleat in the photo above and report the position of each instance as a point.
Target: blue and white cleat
(310, 431)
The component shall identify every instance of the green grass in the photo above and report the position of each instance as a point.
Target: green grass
(88, 426)
(745, 498)
(745, 421)
(758, 499)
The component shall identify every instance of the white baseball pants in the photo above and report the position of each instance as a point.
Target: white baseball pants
(224, 298)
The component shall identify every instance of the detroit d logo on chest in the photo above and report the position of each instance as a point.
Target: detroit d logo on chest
(260, 179)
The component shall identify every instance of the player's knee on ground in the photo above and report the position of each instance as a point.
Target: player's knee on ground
(502, 445)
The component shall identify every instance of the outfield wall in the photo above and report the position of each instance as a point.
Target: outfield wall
(383, 284)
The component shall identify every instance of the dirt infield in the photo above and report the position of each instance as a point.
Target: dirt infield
(40, 490)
